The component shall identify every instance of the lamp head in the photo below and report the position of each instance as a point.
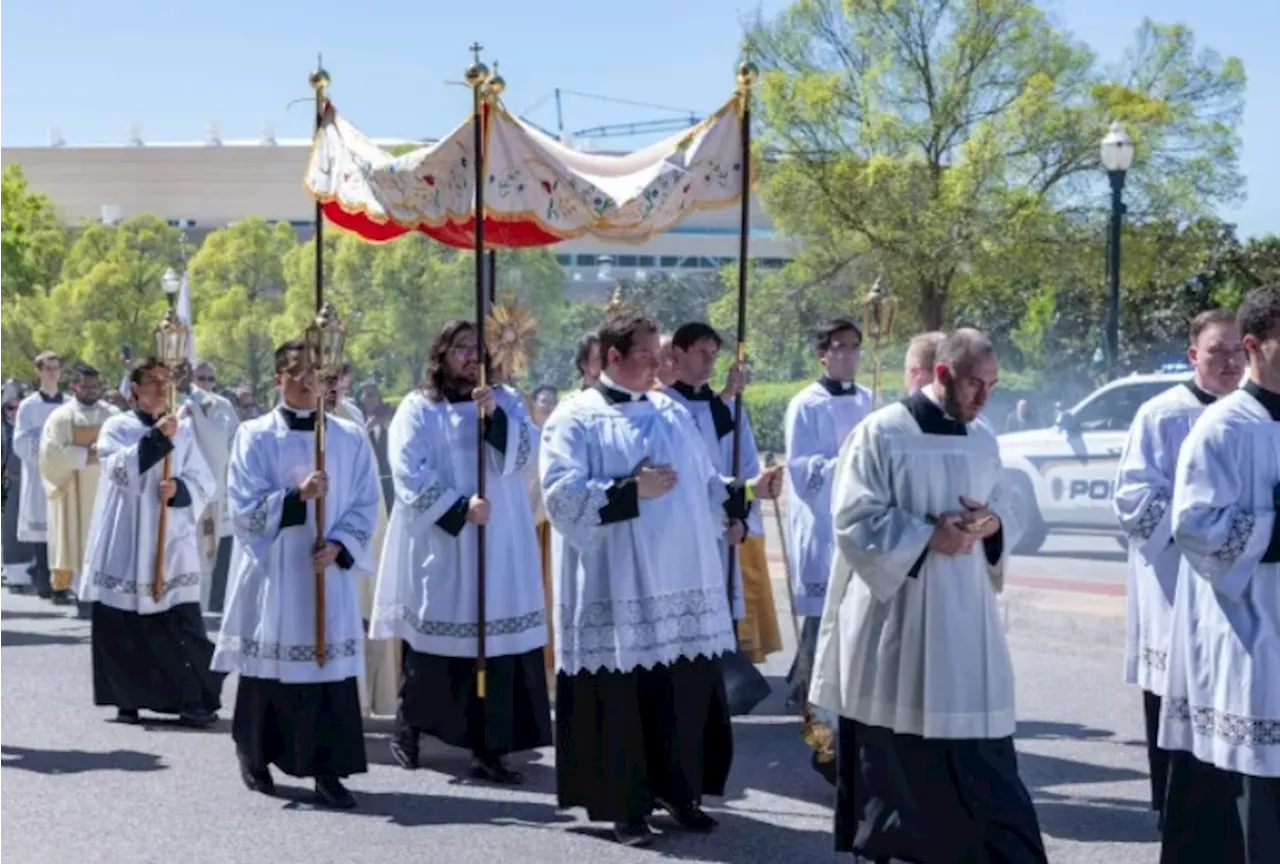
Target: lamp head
(171, 281)
(326, 339)
(1116, 149)
(171, 337)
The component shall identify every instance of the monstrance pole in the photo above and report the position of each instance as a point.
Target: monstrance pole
(477, 77)
(319, 82)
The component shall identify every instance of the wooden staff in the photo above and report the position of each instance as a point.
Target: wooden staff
(162, 529)
(477, 77)
(747, 75)
(320, 82)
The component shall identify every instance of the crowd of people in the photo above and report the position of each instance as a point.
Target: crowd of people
(619, 532)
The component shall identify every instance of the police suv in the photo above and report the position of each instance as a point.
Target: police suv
(1065, 476)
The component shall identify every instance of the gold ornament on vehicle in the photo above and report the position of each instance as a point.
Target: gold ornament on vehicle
(511, 336)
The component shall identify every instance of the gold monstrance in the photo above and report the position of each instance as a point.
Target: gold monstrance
(512, 336)
(326, 339)
(879, 309)
(171, 337)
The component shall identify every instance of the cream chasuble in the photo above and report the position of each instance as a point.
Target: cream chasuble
(910, 639)
(70, 482)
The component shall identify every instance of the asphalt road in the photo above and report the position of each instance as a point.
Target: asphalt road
(79, 789)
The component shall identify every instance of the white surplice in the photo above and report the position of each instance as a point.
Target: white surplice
(268, 626)
(119, 564)
(1222, 688)
(816, 425)
(427, 590)
(719, 444)
(921, 654)
(1144, 492)
(28, 428)
(646, 590)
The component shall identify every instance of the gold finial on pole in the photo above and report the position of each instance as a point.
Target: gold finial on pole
(477, 73)
(319, 78)
(494, 85)
(748, 75)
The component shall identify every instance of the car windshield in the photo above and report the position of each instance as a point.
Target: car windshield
(1113, 410)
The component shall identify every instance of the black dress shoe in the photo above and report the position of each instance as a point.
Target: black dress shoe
(633, 832)
(689, 816)
(257, 780)
(826, 768)
(494, 770)
(63, 598)
(332, 793)
(405, 752)
(197, 719)
(128, 715)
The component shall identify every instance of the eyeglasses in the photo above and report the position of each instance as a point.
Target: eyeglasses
(206, 379)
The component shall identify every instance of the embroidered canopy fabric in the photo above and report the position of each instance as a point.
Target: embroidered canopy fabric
(537, 191)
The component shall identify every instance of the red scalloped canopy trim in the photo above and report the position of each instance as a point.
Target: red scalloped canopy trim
(497, 235)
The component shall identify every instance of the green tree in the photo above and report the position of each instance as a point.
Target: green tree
(33, 241)
(926, 135)
(554, 364)
(674, 299)
(237, 292)
(111, 294)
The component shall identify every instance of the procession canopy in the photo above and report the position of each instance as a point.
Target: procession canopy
(538, 191)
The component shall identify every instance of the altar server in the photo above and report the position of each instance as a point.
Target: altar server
(921, 357)
(427, 591)
(380, 681)
(149, 652)
(33, 503)
(292, 711)
(817, 421)
(911, 651)
(544, 401)
(694, 348)
(1222, 688)
(214, 419)
(1144, 491)
(642, 614)
(19, 557)
(70, 467)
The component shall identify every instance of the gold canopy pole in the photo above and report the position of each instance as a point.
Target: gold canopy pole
(171, 349)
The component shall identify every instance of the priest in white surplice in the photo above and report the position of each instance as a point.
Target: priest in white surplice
(818, 420)
(911, 653)
(380, 683)
(33, 504)
(1221, 717)
(427, 592)
(1144, 491)
(292, 711)
(149, 652)
(693, 349)
(70, 468)
(642, 615)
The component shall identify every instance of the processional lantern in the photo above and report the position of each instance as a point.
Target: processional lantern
(171, 337)
(326, 340)
(879, 310)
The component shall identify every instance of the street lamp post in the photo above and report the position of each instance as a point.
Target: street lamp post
(1116, 151)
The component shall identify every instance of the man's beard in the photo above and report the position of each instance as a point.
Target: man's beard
(460, 384)
(87, 402)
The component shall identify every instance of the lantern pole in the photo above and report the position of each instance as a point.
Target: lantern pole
(319, 81)
(170, 337)
(747, 76)
(477, 77)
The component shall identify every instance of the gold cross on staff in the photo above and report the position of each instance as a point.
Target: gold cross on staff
(475, 49)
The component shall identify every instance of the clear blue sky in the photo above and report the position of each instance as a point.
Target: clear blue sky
(93, 67)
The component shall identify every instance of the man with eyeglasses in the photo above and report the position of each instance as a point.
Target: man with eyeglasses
(428, 595)
(214, 420)
(818, 420)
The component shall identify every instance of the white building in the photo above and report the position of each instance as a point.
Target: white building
(204, 186)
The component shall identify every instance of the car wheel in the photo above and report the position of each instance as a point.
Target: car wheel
(1034, 531)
